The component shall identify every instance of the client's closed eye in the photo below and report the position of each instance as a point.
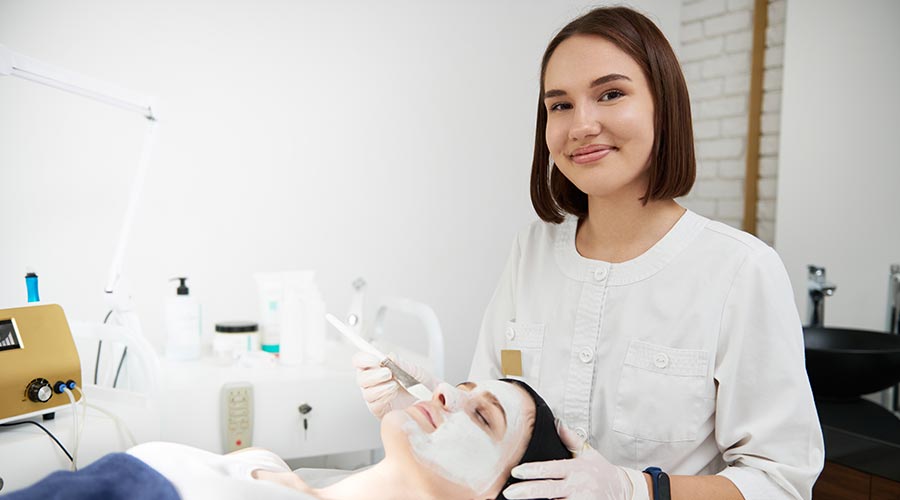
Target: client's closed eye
(488, 413)
(480, 413)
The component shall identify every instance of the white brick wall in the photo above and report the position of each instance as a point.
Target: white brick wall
(771, 123)
(717, 38)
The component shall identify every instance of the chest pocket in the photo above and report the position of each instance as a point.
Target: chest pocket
(528, 339)
(663, 394)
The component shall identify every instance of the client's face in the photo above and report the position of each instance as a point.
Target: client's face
(466, 439)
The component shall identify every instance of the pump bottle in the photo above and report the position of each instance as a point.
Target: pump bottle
(182, 324)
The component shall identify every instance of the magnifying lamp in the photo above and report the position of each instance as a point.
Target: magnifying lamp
(18, 65)
(129, 330)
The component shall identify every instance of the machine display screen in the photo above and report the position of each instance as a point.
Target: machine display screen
(9, 335)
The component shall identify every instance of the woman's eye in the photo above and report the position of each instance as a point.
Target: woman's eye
(559, 106)
(611, 95)
(483, 420)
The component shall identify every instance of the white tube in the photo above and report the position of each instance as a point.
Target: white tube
(271, 298)
(293, 316)
(303, 330)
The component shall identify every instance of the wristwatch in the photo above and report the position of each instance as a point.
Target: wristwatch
(660, 482)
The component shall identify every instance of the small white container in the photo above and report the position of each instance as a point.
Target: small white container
(182, 324)
(234, 339)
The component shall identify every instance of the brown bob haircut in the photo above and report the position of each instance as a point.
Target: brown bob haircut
(672, 167)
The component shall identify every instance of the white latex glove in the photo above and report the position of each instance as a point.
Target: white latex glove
(588, 476)
(381, 392)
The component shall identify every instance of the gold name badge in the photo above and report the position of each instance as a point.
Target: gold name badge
(511, 362)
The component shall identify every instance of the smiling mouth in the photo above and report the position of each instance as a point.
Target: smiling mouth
(590, 154)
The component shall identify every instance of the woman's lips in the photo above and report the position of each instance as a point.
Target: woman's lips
(427, 414)
(590, 154)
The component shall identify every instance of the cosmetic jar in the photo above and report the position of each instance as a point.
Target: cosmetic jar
(233, 339)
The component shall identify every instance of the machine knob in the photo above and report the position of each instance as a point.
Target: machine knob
(39, 390)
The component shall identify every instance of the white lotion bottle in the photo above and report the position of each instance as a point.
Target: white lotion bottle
(182, 324)
(303, 332)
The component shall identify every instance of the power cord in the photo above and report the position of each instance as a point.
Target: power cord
(78, 426)
(97, 359)
(99, 347)
(119, 369)
(63, 448)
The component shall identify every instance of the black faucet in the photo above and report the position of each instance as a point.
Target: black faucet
(891, 396)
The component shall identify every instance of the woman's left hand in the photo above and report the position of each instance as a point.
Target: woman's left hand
(587, 476)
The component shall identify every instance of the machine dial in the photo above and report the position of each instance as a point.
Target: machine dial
(39, 390)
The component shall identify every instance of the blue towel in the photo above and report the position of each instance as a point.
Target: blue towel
(117, 476)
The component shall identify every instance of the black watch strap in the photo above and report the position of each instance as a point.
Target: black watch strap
(660, 482)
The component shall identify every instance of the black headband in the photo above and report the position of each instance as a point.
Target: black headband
(545, 443)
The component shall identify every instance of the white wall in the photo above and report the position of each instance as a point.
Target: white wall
(716, 50)
(838, 203)
(390, 140)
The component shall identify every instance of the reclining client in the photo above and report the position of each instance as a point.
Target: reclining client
(462, 444)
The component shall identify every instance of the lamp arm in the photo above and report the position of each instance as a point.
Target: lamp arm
(18, 65)
(137, 186)
(15, 64)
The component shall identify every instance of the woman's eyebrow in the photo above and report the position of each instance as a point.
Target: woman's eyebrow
(596, 83)
(489, 395)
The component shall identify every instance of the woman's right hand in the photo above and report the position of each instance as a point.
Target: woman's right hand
(381, 392)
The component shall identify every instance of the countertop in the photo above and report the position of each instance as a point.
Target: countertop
(861, 435)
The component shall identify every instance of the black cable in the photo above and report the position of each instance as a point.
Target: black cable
(97, 360)
(118, 370)
(99, 346)
(63, 448)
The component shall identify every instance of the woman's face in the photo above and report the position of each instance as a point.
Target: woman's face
(466, 440)
(599, 117)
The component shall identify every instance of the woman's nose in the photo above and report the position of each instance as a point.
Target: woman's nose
(449, 397)
(585, 123)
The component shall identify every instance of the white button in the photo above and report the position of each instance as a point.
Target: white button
(510, 333)
(581, 433)
(661, 360)
(600, 273)
(586, 355)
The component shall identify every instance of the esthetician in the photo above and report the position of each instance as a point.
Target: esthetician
(668, 342)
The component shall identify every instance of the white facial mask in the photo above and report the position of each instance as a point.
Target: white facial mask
(462, 451)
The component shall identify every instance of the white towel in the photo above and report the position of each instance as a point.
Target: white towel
(200, 475)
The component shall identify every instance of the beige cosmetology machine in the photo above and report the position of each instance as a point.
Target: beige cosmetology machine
(37, 358)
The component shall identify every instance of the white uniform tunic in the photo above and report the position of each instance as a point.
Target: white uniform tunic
(688, 357)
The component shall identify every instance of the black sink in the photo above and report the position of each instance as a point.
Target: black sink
(845, 363)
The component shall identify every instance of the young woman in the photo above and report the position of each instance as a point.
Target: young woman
(663, 338)
(460, 445)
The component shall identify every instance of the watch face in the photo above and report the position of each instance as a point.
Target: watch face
(660, 480)
(665, 492)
